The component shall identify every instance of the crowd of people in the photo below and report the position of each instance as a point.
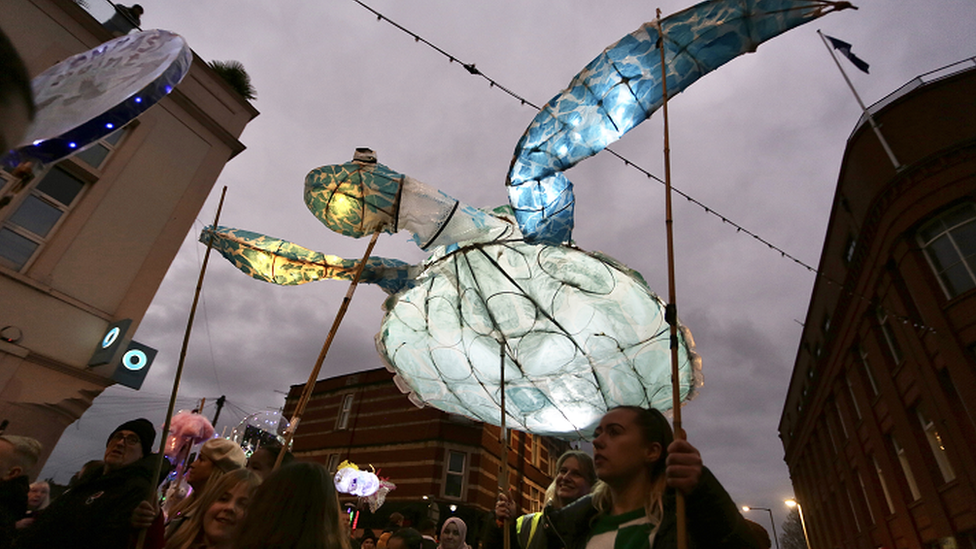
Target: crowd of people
(623, 497)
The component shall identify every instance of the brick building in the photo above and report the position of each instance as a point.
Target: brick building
(437, 460)
(879, 424)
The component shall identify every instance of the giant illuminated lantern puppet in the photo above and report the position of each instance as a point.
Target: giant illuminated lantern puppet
(506, 304)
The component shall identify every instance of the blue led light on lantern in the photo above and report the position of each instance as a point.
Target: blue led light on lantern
(109, 125)
(138, 99)
(72, 145)
(169, 89)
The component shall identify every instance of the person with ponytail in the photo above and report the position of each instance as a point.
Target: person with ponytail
(642, 467)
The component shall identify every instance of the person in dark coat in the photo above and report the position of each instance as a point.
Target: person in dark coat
(643, 468)
(18, 456)
(97, 511)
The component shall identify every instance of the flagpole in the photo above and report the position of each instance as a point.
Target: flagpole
(874, 125)
(671, 312)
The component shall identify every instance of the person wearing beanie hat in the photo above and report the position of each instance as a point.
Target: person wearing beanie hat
(142, 428)
(216, 457)
(96, 512)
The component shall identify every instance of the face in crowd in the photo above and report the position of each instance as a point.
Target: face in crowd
(571, 483)
(620, 451)
(224, 517)
(39, 491)
(200, 470)
(123, 448)
(262, 462)
(451, 536)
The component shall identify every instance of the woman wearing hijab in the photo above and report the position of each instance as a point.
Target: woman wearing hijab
(454, 534)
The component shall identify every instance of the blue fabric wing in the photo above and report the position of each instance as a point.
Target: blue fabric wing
(622, 87)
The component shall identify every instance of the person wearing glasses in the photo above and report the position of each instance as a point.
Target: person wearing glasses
(96, 513)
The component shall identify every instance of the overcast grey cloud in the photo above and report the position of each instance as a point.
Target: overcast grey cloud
(760, 141)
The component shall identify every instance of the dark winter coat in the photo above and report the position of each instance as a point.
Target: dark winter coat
(13, 506)
(96, 513)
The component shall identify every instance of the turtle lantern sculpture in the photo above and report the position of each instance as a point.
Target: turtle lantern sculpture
(580, 332)
(506, 308)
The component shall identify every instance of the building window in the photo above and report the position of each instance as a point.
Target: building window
(864, 494)
(866, 368)
(543, 455)
(889, 335)
(935, 442)
(96, 154)
(333, 465)
(830, 433)
(906, 468)
(454, 474)
(840, 420)
(849, 249)
(850, 392)
(949, 242)
(345, 410)
(884, 485)
(33, 221)
(536, 499)
(853, 508)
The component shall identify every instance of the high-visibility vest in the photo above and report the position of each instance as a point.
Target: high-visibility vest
(525, 528)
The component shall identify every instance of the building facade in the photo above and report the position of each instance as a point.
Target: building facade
(879, 424)
(442, 464)
(87, 241)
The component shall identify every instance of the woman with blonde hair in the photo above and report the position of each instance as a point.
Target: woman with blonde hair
(575, 477)
(219, 513)
(216, 457)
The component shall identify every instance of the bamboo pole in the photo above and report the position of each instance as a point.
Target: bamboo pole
(310, 384)
(502, 439)
(179, 369)
(671, 312)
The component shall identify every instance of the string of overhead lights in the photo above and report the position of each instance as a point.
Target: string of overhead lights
(492, 83)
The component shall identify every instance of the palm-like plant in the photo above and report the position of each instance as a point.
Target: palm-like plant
(234, 74)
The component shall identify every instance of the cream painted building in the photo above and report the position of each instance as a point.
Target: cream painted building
(88, 240)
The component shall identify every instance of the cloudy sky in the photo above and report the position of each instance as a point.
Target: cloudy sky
(759, 141)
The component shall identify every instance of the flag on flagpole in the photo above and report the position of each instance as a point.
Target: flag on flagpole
(845, 49)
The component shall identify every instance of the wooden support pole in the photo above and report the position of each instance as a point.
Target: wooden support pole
(671, 313)
(179, 369)
(310, 384)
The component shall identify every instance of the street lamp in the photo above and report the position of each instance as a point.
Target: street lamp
(771, 520)
(791, 503)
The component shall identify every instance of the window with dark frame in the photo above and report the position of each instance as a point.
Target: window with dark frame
(51, 195)
(949, 244)
(345, 410)
(454, 474)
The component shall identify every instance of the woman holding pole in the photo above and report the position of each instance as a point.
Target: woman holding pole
(642, 468)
